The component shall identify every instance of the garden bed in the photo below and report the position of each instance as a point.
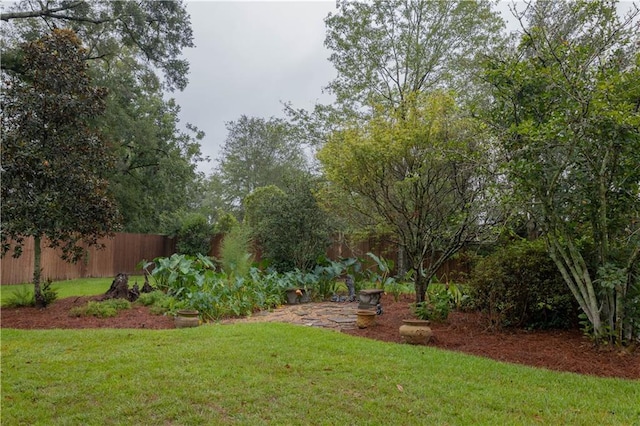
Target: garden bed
(561, 350)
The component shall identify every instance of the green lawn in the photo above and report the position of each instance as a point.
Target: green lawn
(268, 373)
(283, 374)
(77, 287)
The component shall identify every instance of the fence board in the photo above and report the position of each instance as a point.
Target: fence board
(120, 254)
(124, 251)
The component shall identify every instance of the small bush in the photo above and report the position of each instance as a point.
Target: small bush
(23, 296)
(159, 303)
(194, 236)
(153, 298)
(50, 294)
(520, 286)
(437, 307)
(20, 297)
(106, 309)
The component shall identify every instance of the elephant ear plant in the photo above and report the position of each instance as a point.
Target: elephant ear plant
(195, 284)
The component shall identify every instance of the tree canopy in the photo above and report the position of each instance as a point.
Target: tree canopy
(257, 153)
(154, 32)
(384, 51)
(54, 161)
(566, 109)
(419, 171)
(129, 46)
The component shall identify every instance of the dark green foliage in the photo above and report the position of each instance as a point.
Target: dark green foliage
(152, 31)
(54, 161)
(520, 286)
(290, 226)
(194, 236)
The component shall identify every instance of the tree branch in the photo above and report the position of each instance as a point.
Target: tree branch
(37, 13)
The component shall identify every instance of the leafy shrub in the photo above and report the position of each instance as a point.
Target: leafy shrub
(194, 235)
(20, 297)
(23, 296)
(520, 286)
(271, 210)
(159, 303)
(436, 307)
(105, 309)
(49, 293)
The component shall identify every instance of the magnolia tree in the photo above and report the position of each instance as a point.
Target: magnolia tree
(54, 163)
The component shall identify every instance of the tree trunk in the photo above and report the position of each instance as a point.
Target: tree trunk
(421, 284)
(37, 289)
(401, 267)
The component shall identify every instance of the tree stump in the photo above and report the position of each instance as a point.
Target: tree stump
(120, 289)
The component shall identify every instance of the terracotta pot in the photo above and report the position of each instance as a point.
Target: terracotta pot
(365, 318)
(187, 318)
(415, 331)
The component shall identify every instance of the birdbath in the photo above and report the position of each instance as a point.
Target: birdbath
(370, 298)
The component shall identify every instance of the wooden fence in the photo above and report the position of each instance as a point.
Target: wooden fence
(123, 252)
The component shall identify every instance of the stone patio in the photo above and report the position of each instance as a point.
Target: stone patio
(331, 315)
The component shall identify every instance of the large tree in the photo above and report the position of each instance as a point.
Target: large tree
(385, 50)
(154, 32)
(567, 112)
(129, 44)
(54, 162)
(418, 170)
(257, 153)
(156, 172)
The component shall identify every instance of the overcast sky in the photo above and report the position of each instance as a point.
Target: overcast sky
(249, 58)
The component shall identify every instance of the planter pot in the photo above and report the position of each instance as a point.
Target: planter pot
(370, 298)
(415, 331)
(365, 318)
(187, 318)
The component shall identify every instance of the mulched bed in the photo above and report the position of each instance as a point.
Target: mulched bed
(561, 350)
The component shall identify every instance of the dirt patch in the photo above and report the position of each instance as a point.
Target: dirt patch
(566, 350)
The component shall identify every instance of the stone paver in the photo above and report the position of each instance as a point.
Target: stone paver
(331, 315)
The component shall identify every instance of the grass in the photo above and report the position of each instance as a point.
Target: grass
(268, 373)
(77, 287)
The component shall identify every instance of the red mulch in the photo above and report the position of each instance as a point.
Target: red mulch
(561, 350)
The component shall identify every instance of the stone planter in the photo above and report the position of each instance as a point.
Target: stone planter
(370, 298)
(415, 331)
(297, 295)
(187, 318)
(365, 318)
